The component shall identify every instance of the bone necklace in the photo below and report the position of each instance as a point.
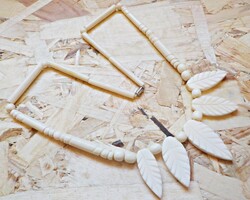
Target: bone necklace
(173, 152)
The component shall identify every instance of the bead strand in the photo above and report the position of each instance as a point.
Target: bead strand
(181, 68)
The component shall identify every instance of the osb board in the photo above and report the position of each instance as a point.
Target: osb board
(36, 167)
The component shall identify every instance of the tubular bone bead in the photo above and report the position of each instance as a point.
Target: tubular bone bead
(181, 136)
(181, 68)
(197, 115)
(97, 151)
(155, 148)
(100, 18)
(119, 155)
(19, 117)
(186, 75)
(196, 93)
(66, 138)
(9, 107)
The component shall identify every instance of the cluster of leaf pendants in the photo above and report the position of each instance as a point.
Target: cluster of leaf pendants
(199, 134)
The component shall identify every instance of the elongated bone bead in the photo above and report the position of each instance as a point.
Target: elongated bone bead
(112, 60)
(93, 43)
(111, 88)
(162, 49)
(28, 120)
(126, 71)
(99, 19)
(25, 84)
(131, 17)
(68, 71)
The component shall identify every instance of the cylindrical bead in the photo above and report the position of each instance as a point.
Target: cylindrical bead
(69, 72)
(112, 60)
(93, 43)
(28, 120)
(131, 17)
(126, 71)
(100, 18)
(84, 145)
(25, 84)
(161, 48)
(111, 88)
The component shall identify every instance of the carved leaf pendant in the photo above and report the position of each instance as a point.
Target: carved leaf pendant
(150, 171)
(205, 139)
(206, 80)
(176, 160)
(213, 106)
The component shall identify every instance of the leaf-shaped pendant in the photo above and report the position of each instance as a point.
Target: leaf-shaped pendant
(205, 139)
(213, 106)
(206, 80)
(176, 159)
(150, 171)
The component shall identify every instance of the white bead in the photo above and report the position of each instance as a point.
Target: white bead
(104, 153)
(118, 6)
(181, 136)
(196, 93)
(9, 107)
(186, 75)
(155, 148)
(110, 155)
(119, 155)
(170, 57)
(197, 115)
(176, 64)
(174, 61)
(181, 68)
(130, 157)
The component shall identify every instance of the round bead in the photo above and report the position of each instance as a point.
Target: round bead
(196, 93)
(155, 148)
(181, 68)
(170, 57)
(174, 61)
(186, 75)
(118, 6)
(119, 155)
(176, 64)
(197, 115)
(110, 155)
(130, 157)
(9, 107)
(181, 136)
(104, 153)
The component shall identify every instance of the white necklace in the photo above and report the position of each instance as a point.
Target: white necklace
(173, 152)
